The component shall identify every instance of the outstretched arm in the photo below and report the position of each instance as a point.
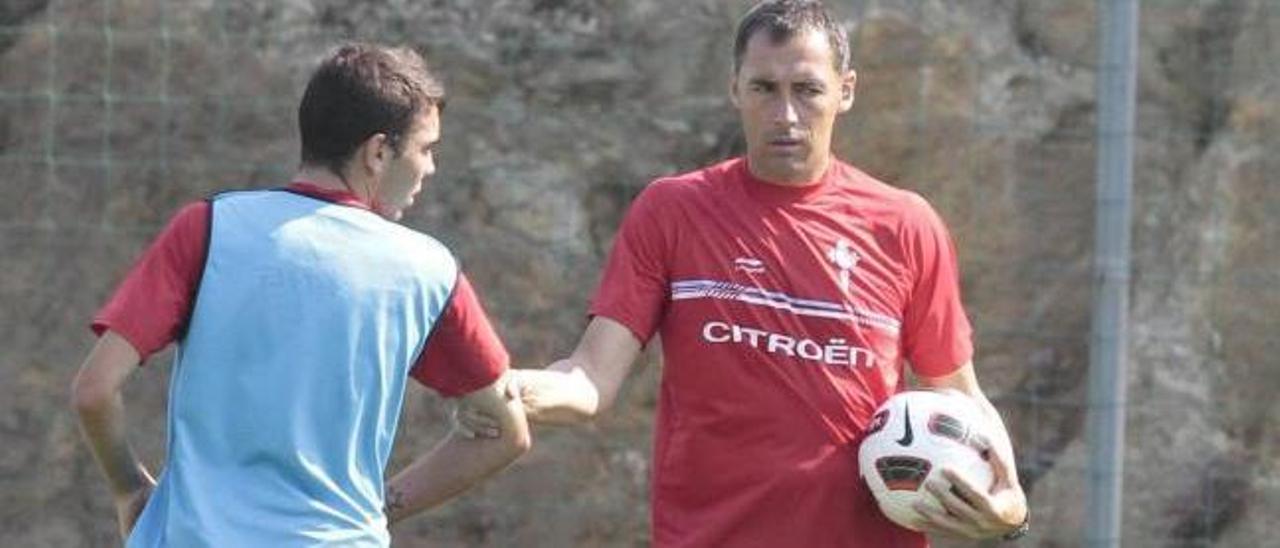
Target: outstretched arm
(95, 395)
(569, 391)
(459, 462)
(979, 513)
(579, 387)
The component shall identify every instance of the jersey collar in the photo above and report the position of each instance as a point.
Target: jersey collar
(777, 194)
(341, 197)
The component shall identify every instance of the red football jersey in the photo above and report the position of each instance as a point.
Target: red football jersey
(786, 316)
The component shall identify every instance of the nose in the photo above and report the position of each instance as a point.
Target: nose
(785, 112)
(429, 168)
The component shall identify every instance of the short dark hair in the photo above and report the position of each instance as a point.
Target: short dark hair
(360, 90)
(784, 19)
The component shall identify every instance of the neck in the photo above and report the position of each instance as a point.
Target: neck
(789, 177)
(329, 180)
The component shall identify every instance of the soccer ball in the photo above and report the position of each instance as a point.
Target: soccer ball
(911, 437)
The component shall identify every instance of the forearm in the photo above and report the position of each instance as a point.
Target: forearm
(979, 512)
(102, 422)
(450, 468)
(582, 386)
(965, 381)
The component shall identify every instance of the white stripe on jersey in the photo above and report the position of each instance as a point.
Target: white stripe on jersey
(716, 289)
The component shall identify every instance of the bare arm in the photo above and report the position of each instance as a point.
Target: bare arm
(579, 387)
(95, 395)
(981, 513)
(457, 463)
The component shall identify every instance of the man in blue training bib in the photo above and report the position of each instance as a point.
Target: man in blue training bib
(300, 313)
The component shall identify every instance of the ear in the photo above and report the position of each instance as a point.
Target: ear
(373, 154)
(733, 90)
(847, 85)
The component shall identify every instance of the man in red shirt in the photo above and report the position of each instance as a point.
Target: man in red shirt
(299, 314)
(790, 291)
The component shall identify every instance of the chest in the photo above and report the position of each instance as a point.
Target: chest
(814, 262)
(785, 303)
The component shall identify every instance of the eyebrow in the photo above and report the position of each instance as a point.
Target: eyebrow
(808, 80)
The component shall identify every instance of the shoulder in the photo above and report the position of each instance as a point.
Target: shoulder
(402, 251)
(423, 244)
(188, 226)
(244, 195)
(257, 205)
(703, 182)
(854, 178)
(906, 208)
(192, 214)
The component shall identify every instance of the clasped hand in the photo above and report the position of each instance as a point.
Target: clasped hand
(973, 513)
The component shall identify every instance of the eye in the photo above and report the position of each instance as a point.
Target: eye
(810, 90)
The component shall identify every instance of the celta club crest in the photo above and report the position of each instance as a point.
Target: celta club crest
(844, 258)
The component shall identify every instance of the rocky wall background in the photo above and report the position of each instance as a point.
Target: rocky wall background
(114, 113)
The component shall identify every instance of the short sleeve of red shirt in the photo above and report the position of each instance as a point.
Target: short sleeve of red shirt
(463, 352)
(634, 285)
(937, 335)
(150, 308)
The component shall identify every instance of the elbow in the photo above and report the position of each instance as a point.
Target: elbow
(88, 395)
(521, 445)
(520, 441)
